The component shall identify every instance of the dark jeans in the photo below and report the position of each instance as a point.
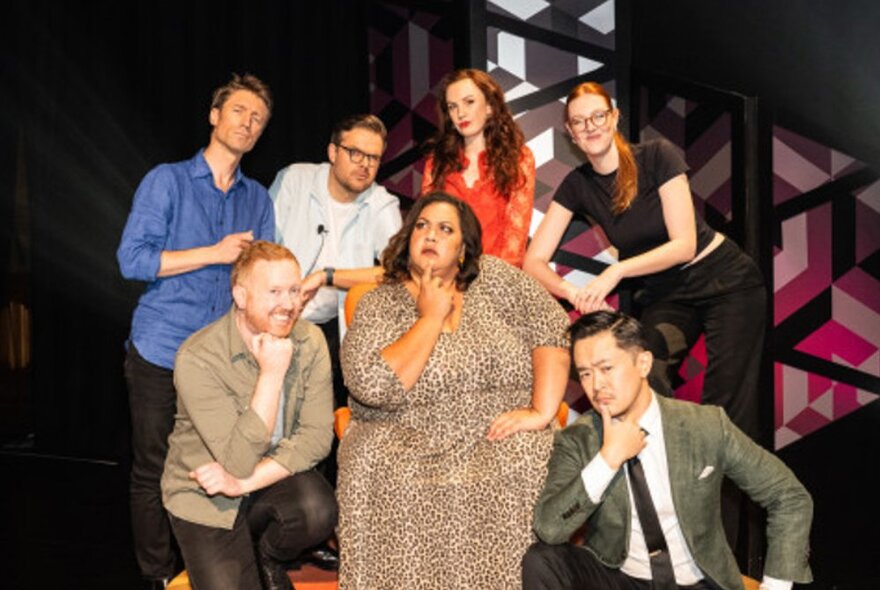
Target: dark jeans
(153, 402)
(723, 297)
(568, 567)
(330, 328)
(280, 521)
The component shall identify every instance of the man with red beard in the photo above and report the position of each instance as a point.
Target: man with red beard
(255, 414)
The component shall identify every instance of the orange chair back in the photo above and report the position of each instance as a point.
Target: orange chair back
(353, 296)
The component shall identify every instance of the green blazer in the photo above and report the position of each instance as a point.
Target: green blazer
(702, 446)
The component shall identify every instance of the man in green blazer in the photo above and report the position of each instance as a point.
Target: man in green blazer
(672, 456)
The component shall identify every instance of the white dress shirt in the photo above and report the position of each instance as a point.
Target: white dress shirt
(597, 476)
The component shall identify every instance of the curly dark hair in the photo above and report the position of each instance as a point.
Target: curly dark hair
(504, 139)
(395, 257)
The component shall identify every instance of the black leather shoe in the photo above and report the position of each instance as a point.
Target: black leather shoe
(325, 558)
(273, 574)
(156, 584)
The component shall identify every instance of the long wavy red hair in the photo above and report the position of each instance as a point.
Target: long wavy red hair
(504, 139)
(626, 184)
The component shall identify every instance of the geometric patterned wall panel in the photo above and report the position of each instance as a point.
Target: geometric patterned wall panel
(591, 21)
(410, 50)
(826, 274)
(702, 132)
(538, 51)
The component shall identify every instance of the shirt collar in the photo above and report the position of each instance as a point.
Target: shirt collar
(199, 168)
(650, 420)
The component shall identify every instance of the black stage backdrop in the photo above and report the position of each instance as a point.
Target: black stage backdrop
(94, 94)
(816, 63)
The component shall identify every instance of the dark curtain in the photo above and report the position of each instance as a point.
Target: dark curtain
(100, 92)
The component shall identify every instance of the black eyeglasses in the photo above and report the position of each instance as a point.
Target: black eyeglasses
(357, 156)
(599, 118)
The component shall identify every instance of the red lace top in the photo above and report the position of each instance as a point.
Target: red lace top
(505, 221)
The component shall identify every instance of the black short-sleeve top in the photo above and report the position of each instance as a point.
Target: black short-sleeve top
(641, 227)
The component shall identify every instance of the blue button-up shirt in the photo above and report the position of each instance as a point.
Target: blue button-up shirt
(177, 207)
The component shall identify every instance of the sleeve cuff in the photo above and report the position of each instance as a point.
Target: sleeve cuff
(596, 477)
(769, 583)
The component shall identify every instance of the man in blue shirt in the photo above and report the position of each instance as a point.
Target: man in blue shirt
(188, 223)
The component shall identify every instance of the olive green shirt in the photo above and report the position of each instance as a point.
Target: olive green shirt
(215, 375)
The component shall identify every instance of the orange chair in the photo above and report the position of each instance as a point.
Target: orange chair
(353, 297)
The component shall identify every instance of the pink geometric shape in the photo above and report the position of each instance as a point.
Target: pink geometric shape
(589, 243)
(817, 277)
(867, 235)
(807, 421)
(862, 287)
(817, 386)
(834, 340)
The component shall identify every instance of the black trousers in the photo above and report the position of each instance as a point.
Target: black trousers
(723, 297)
(152, 401)
(330, 328)
(280, 521)
(568, 567)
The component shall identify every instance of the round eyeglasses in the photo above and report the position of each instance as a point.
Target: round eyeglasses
(598, 119)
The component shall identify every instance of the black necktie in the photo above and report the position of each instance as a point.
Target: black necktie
(662, 577)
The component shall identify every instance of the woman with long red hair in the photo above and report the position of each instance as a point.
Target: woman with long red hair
(692, 279)
(479, 155)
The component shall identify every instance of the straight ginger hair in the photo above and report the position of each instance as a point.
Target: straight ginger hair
(626, 184)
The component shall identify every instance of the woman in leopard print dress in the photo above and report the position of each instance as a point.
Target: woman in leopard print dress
(456, 365)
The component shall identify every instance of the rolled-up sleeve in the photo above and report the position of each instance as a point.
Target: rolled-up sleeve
(236, 439)
(146, 231)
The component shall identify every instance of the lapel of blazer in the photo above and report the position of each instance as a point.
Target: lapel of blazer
(680, 457)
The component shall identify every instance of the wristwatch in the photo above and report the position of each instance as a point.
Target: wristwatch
(328, 271)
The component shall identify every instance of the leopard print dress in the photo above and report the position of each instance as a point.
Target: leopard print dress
(426, 501)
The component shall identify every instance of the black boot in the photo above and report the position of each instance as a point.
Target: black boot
(273, 573)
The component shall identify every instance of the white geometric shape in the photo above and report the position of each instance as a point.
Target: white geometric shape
(784, 436)
(520, 89)
(601, 18)
(677, 105)
(792, 260)
(865, 397)
(586, 65)
(839, 162)
(795, 169)
(855, 316)
(795, 395)
(522, 9)
(537, 217)
(490, 65)
(713, 174)
(542, 147)
(870, 196)
(824, 404)
(579, 278)
(512, 54)
(419, 81)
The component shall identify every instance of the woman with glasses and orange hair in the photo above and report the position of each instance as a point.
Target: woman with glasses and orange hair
(479, 155)
(692, 279)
